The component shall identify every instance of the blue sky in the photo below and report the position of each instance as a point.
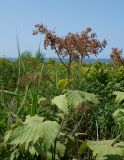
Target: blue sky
(105, 17)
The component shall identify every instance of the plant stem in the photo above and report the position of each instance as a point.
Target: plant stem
(97, 130)
(54, 150)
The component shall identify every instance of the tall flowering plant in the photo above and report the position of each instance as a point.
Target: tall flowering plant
(75, 46)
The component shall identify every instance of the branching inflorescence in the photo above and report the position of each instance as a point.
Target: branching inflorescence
(75, 46)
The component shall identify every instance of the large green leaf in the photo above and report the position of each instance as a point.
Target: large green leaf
(72, 99)
(76, 97)
(119, 118)
(104, 150)
(34, 128)
(61, 103)
(119, 96)
(51, 131)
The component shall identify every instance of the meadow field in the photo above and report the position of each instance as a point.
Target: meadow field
(44, 114)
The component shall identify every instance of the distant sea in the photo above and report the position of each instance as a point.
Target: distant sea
(88, 60)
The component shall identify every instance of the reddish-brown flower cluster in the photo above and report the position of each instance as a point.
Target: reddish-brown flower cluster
(116, 56)
(74, 45)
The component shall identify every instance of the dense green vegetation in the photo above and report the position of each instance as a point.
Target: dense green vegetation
(42, 116)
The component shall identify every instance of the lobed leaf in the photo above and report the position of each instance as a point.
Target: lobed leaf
(119, 96)
(34, 128)
(104, 150)
(76, 97)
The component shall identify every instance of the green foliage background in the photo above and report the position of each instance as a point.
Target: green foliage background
(80, 108)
